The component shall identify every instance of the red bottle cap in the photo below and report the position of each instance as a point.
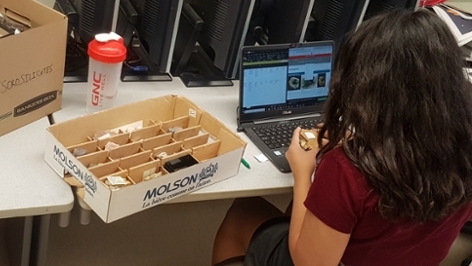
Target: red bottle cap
(107, 48)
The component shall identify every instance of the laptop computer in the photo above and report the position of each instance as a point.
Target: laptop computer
(282, 87)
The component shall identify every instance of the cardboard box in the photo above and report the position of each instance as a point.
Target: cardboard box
(32, 68)
(144, 131)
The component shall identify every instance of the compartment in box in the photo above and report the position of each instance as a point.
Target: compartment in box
(134, 126)
(179, 163)
(121, 129)
(84, 148)
(117, 180)
(136, 159)
(94, 159)
(157, 141)
(175, 124)
(186, 133)
(206, 151)
(167, 150)
(146, 171)
(198, 140)
(106, 169)
(217, 132)
(146, 133)
(120, 139)
(125, 150)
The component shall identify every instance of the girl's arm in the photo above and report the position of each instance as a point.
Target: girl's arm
(311, 242)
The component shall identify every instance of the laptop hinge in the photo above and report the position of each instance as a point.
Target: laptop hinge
(281, 119)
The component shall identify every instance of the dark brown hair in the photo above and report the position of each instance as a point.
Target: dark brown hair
(399, 84)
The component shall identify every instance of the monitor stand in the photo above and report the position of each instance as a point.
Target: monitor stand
(200, 72)
(143, 69)
(76, 64)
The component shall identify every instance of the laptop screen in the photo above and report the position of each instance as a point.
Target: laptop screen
(284, 79)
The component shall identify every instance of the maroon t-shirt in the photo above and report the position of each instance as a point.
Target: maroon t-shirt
(341, 197)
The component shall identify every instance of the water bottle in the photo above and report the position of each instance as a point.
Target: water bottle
(106, 55)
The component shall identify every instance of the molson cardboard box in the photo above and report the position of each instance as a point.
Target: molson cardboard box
(130, 158)
(32, 69)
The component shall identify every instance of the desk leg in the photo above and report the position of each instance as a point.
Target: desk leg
(19, 232)
(40, 240)
(64, 219)
(27, 236)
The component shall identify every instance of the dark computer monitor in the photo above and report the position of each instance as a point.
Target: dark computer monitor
(332, 19)
(278, 22)
(151, 48)
(215, 57)
(379, 6)
(288, 20)
(86, 18)
(224, 30)
(95, 16)
(257, 29)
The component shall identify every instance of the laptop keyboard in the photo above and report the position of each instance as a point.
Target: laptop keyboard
(280, 135)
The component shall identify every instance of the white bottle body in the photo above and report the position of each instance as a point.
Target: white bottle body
(102, 85)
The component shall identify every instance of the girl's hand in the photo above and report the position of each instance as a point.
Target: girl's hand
(302, 163)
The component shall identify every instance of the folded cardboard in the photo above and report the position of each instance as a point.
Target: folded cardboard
(32, 68)
(148, 138)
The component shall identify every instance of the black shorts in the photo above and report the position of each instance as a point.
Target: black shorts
(268, 246)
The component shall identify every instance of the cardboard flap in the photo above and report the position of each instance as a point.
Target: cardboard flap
(18, 18)
(30, 12)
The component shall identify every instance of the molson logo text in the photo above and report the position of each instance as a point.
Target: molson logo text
(71, 167)
(179, 186)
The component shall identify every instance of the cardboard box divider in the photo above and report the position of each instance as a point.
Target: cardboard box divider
(175, 156)
(123, 173)
(182, 122)
(93, 159)
(138, 173)
(206, 151)
(186, 133)
(167, 150)
(89, 146)
(146, 133)
(105, 169)
(125, 150)
(194, 141)
(121, 139)
(136, 159)
(160, 140)
(32, 69)
(217, 150)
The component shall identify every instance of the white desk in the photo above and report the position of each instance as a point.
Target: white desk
(29, 188)
(262, 179)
